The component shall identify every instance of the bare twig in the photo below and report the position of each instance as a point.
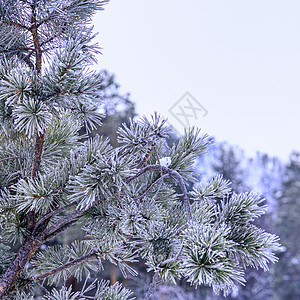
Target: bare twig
(158, 190)
(158, 160)
(184, 191)
(141, 172)
(68, 218)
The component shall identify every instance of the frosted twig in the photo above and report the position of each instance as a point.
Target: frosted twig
(167, 261)
(172, 173)
(151, 186)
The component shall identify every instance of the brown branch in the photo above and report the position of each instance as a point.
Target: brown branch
(35, 169)
(63, 221)
(33, 242)
(49, 40)
(68, 265)
(30, 246)
(36, 43)
(59, 230)
(40, 137)
(16, 49)
(15, 24)
(52, 213)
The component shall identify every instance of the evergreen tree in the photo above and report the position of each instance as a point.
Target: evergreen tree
(125, 198)
(117, 108)
(228, 161)
(287, 272)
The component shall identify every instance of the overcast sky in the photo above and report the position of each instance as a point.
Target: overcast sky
(239, 60)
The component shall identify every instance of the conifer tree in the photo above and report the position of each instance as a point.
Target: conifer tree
(125, 198)
(287, 271)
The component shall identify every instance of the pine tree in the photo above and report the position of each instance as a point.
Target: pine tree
(125, 198)
(287, 271)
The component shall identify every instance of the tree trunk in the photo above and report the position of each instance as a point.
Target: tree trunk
(32, 243)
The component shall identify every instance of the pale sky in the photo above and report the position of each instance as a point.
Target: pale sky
(240, 60)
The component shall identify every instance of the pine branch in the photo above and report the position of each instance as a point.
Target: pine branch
(151, 186)
(34, 32)
(146, 157)
(40, 138)
(142, 171)
(66, 266)
(208, 247)
(72, 263)
(26, 251)
(12, 176)
(184, 191)
(16, 49)
(63, 221)
(57, 227)
(26, 59)
(170, 260)
(59, 230)
(15, 24)
(36, 165)
(51, 15)
(51, 214)
(172, 173)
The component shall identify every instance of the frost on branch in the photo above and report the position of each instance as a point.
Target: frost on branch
(133, 202)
